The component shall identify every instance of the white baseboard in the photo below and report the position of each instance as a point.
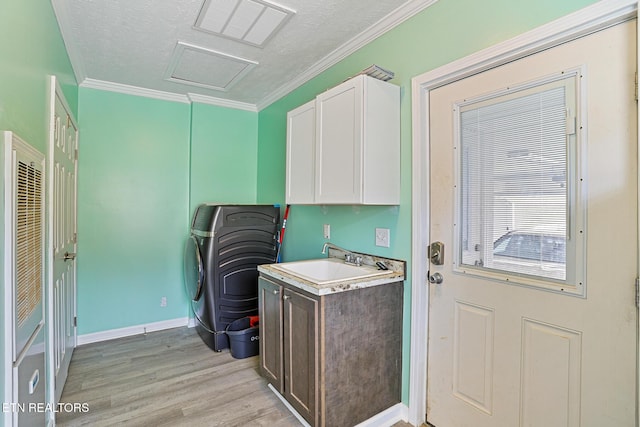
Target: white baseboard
(386, 418)
(192, 322)
(289, 407)
(131, 330)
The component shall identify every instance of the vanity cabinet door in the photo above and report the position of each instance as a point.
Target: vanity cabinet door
(300, 353)
(271, 328)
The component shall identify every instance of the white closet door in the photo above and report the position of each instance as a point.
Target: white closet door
(63, 144)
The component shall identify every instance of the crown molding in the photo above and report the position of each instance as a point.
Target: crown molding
(390, 21)
(220, 102)
(134, 90)
(387, 23)
(166, 96)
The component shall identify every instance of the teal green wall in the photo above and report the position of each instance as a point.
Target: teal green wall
(144, 165)
(133, 177)
(448, 30)
(31, 48)
(224, 155)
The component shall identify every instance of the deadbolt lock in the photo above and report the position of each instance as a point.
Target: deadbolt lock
(436, 253)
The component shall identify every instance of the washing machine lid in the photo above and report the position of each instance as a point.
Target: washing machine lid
(193, 269)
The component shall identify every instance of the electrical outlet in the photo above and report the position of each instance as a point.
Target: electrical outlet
(326, 231)
(383, 236)
(163, 302)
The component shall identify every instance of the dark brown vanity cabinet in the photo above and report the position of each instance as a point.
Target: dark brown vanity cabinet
(288, 342)
(271, 331)
(336, 358)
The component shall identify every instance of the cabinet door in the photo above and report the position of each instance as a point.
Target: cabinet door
(339, 143)
(270, 305)
(301, 137)
(300, 358)
(381, 146)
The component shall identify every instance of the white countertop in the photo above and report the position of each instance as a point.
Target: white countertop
(390, 276)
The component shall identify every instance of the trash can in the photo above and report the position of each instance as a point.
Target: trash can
(244, 337)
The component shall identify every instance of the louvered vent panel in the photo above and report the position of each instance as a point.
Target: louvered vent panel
(28, 240)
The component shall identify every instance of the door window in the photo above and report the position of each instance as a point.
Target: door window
(519, 214)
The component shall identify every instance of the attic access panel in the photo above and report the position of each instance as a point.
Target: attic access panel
(253, 22)
(207, 68)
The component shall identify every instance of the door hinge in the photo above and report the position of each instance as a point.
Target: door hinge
(75, 237)
(636, 87)
(76, 155)
(638, 292)
(75, 321)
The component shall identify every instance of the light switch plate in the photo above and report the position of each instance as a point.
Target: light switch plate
(383, 236)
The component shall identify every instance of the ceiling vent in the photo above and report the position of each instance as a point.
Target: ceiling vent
(250, 21)
(202, 67)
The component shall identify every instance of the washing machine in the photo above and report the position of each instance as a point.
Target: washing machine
(223, 251)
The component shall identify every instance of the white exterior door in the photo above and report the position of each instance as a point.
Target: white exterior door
(502, 354)
(61, 291)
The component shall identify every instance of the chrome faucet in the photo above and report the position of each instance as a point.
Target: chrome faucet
(349, 257)
(331, 245)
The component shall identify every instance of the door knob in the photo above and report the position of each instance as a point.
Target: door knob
(436, 278)
(69, 255)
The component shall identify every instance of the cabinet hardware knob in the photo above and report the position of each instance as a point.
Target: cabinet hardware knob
(286, 297)
(276, 291)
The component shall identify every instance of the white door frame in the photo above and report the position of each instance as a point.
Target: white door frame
(600, 15)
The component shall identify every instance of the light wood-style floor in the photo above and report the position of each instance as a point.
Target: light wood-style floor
(168, 378)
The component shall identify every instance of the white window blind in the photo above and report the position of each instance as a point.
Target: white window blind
(28, 243)
(514, 195)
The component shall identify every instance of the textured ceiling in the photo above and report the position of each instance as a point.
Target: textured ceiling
(154, 45)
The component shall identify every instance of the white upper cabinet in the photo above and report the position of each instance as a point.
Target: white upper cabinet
(301, 137)
(339, 143)
(355, 146)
